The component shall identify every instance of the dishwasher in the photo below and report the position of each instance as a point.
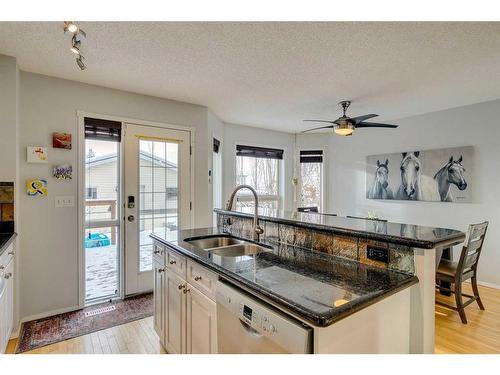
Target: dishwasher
(247, 325)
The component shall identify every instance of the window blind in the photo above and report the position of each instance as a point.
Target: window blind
(259, 152)
(311, 156)
(104, 130)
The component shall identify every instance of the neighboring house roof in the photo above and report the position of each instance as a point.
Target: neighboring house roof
(104, 159)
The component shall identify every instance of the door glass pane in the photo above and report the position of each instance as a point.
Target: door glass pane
(158, 205)
(101, 262)
(101, 244)
(101, 180)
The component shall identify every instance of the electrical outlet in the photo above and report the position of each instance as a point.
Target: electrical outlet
(377, 253)
(65, 201)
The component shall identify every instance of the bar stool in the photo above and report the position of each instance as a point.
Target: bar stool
(466, 268)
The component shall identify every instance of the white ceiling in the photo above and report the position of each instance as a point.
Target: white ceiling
(274, 75)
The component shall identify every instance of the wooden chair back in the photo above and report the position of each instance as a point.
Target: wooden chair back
(471, 250)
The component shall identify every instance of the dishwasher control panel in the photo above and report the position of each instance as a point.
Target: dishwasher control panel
(261, 317)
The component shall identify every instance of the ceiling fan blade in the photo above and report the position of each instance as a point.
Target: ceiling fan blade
(330, 122)
(375, 125)
(359, 119)
(322, 127)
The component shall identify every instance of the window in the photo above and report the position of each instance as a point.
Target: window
(91, 193)
(259, 168)
(311, 178)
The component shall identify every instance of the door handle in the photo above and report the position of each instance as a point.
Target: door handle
(130, 218)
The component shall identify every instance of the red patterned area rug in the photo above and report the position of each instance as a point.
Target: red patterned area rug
(46, 331)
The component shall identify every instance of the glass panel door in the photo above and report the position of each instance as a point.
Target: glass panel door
(102, 224)
(157, 195)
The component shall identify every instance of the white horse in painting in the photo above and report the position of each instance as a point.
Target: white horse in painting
(452, 173)
(380, 188)
(415, 186)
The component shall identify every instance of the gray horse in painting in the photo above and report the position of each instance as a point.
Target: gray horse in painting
(414, 185)
(380, 188)
(452, 173)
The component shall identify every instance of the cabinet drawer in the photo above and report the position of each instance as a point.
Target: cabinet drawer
(159, 254)
(176, 262)
(201, 278)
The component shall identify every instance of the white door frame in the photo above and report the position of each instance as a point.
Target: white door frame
(80, 114)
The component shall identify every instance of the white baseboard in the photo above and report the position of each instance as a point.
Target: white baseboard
(489, 285)
(48, 313)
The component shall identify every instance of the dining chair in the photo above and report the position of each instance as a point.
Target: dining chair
(456, 273)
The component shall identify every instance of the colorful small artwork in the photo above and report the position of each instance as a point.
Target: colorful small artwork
(36, 186)
(63, 172)
(37, 154)
(61, 140)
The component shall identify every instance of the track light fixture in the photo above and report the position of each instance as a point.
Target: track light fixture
(71, 28)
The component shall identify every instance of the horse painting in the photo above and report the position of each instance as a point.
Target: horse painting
(452, 173)
(380, 188)
(414, 185)
(430, 175)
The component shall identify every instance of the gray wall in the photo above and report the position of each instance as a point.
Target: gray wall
(475, 125)
(50, 236)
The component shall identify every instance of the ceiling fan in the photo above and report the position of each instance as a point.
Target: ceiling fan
(345, 125)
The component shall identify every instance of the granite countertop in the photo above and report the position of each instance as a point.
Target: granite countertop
(320, 288)
(403, 234)
(5, 240)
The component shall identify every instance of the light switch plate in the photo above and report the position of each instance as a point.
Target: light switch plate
(65, 201)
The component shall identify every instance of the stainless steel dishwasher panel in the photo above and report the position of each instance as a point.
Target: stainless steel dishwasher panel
(246, 325)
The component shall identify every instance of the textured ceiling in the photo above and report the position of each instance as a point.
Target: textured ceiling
(274, 75)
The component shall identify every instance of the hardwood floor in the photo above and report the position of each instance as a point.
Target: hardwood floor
(136, 337)
(481, 335)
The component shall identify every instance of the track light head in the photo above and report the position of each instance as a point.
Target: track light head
(70, 27)
(75, 45)
(80, 63)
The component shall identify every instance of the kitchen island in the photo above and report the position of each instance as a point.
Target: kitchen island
(365, 280)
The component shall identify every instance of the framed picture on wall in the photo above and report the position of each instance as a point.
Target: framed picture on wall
(61, 140)
(36, 154)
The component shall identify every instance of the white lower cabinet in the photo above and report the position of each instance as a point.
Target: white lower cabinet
(185, 313)
(159, 300)
(175, 322)
(6, 297)
(201, 327)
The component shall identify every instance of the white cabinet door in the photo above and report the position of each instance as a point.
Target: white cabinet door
(175, 323)
(159, 300)
(3, 313)
(9, 275)
(201, 323)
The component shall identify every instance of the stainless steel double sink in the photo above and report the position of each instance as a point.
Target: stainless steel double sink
(226, 246)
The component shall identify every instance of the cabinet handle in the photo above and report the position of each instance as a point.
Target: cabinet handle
(8, 275)
(185, 291)
(156, 252)
(172, 262)
(160, 270)
(10, 253)
(180, 286)
(197, 278)
(2, 268)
